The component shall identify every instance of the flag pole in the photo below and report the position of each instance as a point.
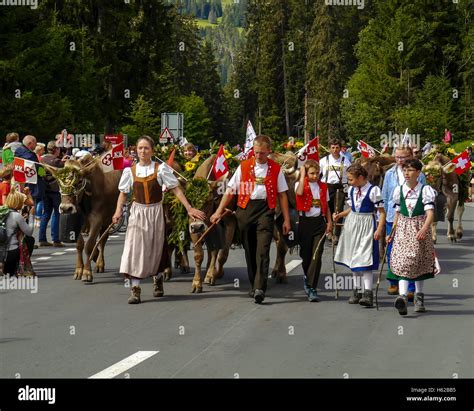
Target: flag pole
(210, 171)
(36, 162)
(174, 171)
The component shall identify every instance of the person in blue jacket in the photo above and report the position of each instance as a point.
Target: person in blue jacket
(27, 152)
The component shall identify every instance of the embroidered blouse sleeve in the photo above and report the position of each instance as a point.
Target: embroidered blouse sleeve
(428, 198)
(126, 181)
(235, 180)
(166, 177)
(376, 196)
(396, 198)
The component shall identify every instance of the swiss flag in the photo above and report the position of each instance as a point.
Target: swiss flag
(308, 152)
(220, 166)
(365, 149)
(24, 171)
(462, 163)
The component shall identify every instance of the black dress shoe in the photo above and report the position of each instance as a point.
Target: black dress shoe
(259, 296)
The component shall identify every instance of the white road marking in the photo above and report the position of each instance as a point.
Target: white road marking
(290, 266)
(59, 253)
(70, 249)
(43, 258)
(113, 236)
(125, 364)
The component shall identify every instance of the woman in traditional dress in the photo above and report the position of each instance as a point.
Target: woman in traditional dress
(413, 255)
(146, 226)
(358, 246)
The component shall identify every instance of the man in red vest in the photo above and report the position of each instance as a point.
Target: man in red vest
(258, 182)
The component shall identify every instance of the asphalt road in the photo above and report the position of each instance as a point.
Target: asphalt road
(68, 329)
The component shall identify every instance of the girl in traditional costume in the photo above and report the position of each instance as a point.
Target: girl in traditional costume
(358, 246)
(413, 255)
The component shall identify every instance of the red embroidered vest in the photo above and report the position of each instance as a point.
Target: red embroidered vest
(304, 202)
(247, 182)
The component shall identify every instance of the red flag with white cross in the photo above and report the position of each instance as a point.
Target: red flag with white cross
(462, 163)
(220, 166)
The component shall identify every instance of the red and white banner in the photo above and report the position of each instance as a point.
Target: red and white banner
(309, 152)
(462, 163)
(24, 171)
(244, 156)
(112, 159)
(249, 137)
(220, 166)
(365, 149)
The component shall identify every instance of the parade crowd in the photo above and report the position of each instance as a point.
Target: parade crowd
(334, 201)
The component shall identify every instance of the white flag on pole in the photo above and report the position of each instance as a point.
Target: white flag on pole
(250, 136)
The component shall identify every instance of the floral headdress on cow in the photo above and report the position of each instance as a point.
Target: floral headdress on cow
(67, 178)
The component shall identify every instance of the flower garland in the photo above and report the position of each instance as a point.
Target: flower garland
(197, 192)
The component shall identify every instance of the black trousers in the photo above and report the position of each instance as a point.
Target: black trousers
(256, 223)
(10, 266)
(311, 230)
(333, 189)
(11, 262)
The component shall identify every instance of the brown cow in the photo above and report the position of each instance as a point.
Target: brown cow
(216, 258)
(439, 173)
(376, 167)
(77, 181)
(181, 260)
(288, 163)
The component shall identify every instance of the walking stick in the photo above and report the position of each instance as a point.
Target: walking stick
(211, 226)
(98, 241)
(318, 246)
(381, 268)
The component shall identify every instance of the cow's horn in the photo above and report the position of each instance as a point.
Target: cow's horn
(87, 168)
(51, 169)
(449, 168)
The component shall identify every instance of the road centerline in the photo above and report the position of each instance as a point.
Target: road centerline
(124, 365)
